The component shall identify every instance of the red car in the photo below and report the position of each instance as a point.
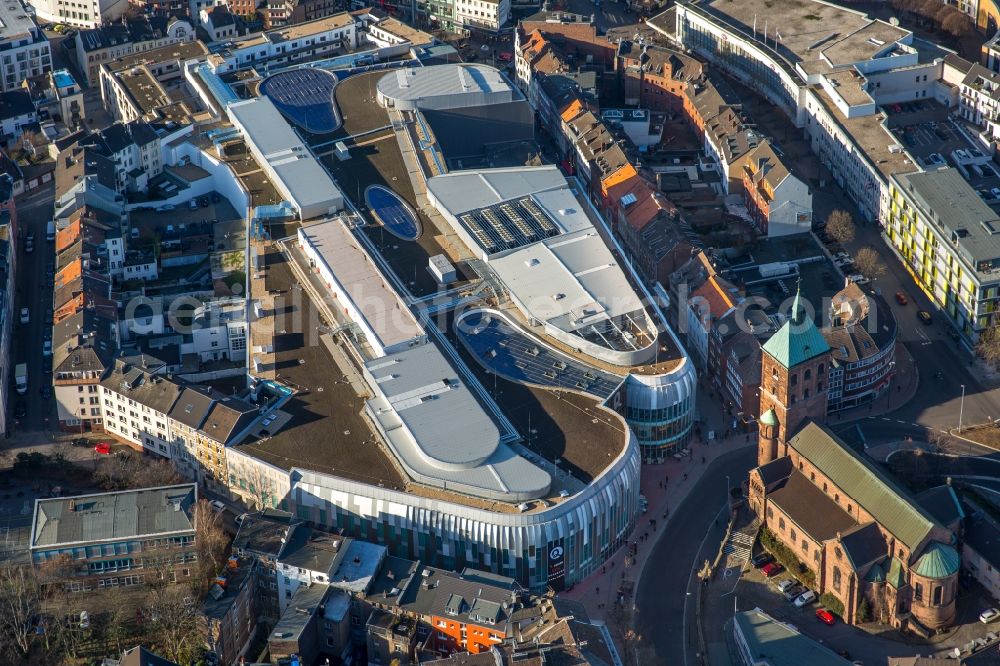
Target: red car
(103, 449)
(771, 570)
(505, 56)
(901, 298)
(825, 616)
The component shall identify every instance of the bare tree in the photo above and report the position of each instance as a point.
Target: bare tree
(956, 23)
(840, 226)
(869, 263)
(20, 602)
(172, 618)
(211, 540)
(988, 346)
(132, 470)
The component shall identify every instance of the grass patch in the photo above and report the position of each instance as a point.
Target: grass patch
(987, 435)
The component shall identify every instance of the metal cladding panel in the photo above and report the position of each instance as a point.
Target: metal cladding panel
(583, 517)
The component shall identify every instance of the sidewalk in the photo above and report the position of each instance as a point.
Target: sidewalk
(902, 388)
(598, 592)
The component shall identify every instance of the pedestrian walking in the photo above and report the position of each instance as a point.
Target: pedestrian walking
(597, 590)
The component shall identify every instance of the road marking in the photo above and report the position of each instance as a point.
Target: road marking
(903, 422)
(687, 590)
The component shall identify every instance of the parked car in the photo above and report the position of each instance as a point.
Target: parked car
(925, 317)
(787, 584)
(81, 441)
(217, 506)
(103, 448)
(25, 315)
(761, 559)
(20, 409)
(805, 599)
(792, 593)
(771, 570)
(46, 348)
(989, 615)
(826, 617)
(901, 298)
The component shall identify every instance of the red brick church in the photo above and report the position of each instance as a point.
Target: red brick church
(857, 533)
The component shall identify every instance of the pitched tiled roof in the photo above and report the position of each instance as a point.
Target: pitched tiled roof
(810, 508)
(863, 483)
(864, 544)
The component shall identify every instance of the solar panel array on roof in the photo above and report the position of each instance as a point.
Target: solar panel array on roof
(509, 225)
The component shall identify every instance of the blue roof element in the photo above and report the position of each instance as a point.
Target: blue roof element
(798, 340)
(940, 561)
(63, 78)
(219, 88)
(305, 97)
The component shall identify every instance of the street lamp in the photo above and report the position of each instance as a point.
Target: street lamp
(961, 410)
(892, 366)
(727, 489)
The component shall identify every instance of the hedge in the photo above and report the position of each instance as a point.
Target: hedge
(784, 555)
(832, 604)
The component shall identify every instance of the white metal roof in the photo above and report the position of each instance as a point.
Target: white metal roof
(419, 83)
(441, 433)
(384, 312)
(569, 281)
(298, 174)
(463, 191)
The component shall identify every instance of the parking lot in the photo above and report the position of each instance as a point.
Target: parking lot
(868, 644)
(945, 143)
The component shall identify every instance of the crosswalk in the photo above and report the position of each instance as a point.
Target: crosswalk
(739, 545)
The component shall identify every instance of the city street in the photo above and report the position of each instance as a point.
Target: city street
(937, 403)
(34, 211)
(666, 602)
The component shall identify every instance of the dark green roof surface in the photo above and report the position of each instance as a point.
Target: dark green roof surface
(859, 480)
(895, 576)
(769, 418)
(876, 574)
(779, 644)
(797, 341)
(938, 561)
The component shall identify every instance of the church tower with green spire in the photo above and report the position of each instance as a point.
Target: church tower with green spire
(795, 368)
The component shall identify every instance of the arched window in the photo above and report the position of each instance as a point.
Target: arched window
(937, 595)
(836, 578)
(820, 369)
(808, 374)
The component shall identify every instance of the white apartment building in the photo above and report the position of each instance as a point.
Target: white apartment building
(980, 100)
(833, 87)
(481, 14)
(24, 48)
(301, 41)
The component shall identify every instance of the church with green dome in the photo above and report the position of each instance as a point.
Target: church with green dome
(885, 555)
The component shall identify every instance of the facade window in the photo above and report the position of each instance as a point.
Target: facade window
(781, 524)
(836, 579)
(918, 592)
(937, 595)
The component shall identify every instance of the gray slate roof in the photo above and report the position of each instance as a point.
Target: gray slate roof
(128, 514)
